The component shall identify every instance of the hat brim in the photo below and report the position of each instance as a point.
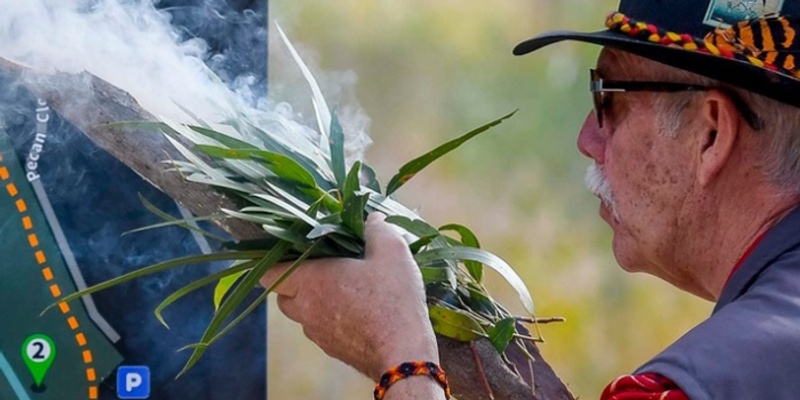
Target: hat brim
(734, 72)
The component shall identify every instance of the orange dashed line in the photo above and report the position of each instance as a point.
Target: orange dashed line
(81, 339)
(55, 290)
(48, 274)
(33, 240)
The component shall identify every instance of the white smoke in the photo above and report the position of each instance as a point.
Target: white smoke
(597, 182)
(131, 45)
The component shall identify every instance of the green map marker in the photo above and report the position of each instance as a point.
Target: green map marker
(38, 351)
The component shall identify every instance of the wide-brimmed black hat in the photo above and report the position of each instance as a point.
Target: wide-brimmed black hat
(751, 44)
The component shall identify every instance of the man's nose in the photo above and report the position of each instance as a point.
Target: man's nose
(591, 140)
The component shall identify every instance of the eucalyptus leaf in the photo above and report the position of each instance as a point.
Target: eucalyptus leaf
(293, 182)
(222, 138)
(369, 178)
(183, 223)
(501, 333)
(279, 164)
(454, 324)
(194, 285)
(489, 259)
(411, 168)
(325, 230)
(162, 266)
(318, 100)
(468, 239)
(416, 227)
(337, 151)
(223, 286)
(235, 298)
(436, 275)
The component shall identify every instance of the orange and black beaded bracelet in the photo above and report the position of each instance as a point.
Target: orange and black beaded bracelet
(411, 368)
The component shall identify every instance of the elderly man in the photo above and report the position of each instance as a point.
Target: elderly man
(695, 143)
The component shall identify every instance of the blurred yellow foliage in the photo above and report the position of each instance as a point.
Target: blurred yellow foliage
(428, 71)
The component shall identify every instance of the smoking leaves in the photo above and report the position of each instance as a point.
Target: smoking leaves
(310, 204)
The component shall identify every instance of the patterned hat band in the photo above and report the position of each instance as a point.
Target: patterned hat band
(766, 42)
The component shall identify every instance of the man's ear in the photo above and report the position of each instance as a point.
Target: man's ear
(719, 132)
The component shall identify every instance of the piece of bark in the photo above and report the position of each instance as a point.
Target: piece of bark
(89, 103)
(458, 360)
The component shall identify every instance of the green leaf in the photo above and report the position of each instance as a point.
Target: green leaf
(289, 208)
(468, 238)
(353, 215)
(162, 266)
(325, 230)
(354, 247)
(194, 285)
(320, 106)
(468, 253)
(353, 203)
(416, 227)
(478, 300)
(436, 275)
(337, 150)
(501, 333)
(279, 164)
(292, 268)
(417, 245)
(223, 286)
(315, 164)
(222, 138)
(370, 179)
(180, 223)
(351, 182)
(183, 223)
(454, 324)
(411, 168)
(240, 292)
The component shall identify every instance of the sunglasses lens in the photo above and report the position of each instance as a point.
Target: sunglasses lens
(597, 96)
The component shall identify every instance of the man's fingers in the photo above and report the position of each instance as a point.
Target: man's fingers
(288, 307)
(381, 237)
(287, 287)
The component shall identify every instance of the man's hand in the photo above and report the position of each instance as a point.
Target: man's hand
(369, 313)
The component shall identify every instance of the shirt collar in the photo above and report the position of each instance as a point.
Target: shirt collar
(771, 244)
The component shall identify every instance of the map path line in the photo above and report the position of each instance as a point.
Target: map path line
(16, 385)
(72, 265)
(49, 278)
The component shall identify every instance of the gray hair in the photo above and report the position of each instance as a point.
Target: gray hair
(780, 152)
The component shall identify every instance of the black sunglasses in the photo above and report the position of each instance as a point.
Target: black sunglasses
(602, 89)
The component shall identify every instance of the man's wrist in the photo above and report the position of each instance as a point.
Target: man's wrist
(418, 347)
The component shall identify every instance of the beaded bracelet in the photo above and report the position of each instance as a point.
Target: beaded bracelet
(411, 368)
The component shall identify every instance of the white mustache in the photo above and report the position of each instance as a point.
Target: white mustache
(597, 182)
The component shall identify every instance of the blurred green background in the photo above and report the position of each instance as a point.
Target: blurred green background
(428, 71)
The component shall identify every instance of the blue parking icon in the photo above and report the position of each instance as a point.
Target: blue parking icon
(133, 382)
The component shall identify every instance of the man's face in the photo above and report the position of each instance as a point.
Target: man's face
(643, 176)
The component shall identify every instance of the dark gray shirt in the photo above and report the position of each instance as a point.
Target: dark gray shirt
(750, 346)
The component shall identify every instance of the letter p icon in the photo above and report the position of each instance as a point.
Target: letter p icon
(133, 382)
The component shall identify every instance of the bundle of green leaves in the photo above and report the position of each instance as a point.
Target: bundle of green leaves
(310, 203)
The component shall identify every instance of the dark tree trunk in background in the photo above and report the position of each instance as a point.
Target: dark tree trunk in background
(143, 152)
